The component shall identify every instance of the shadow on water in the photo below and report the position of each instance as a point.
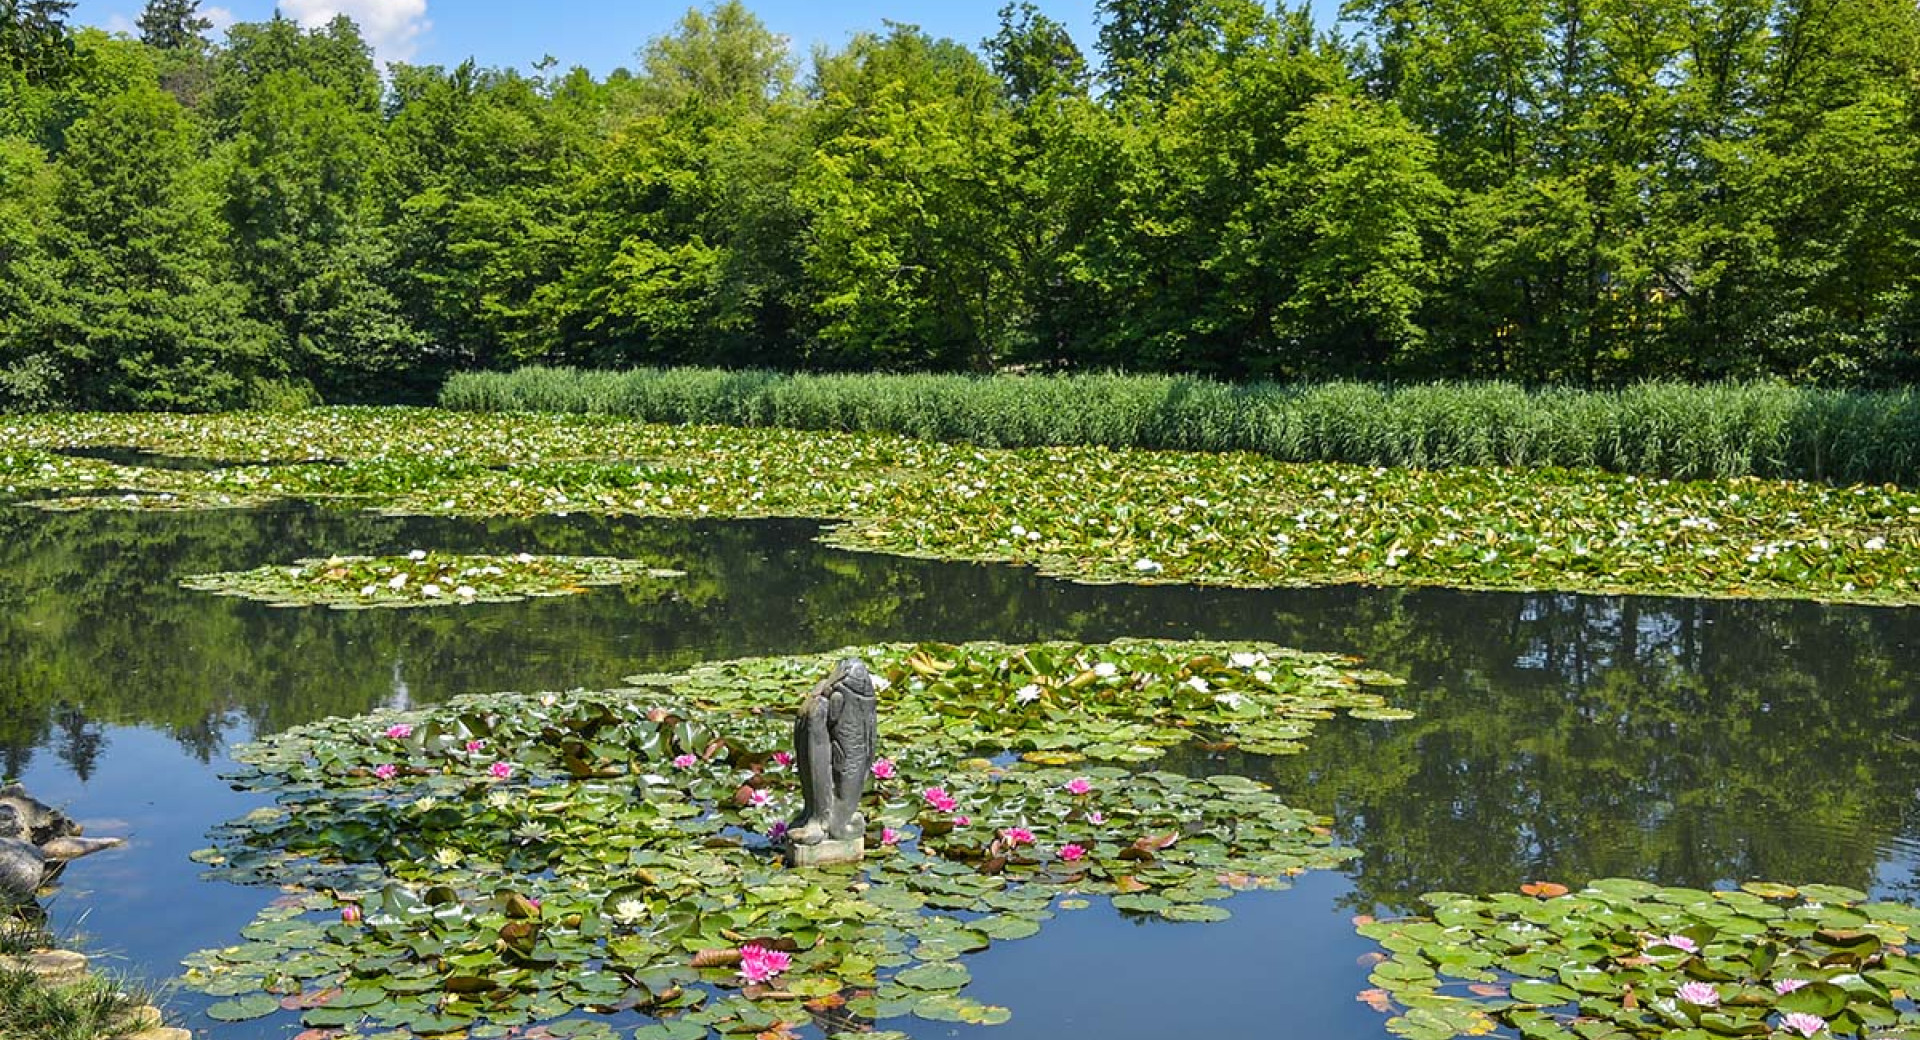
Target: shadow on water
(1558, 736)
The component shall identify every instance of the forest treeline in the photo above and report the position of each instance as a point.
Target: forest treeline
(1543, 191)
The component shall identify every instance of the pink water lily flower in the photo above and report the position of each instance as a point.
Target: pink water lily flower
(1079, 785)
(889, 836)
(474, 747)
(1096, 817)
(1699, 994)
(350, 913)
(1786, 986)
(759, 798)
(1017, 835)
(500, 770)
(399, 732)
(759, 964)
(1802, 1023)
(1071, 852)
(684, 761)
(784, 758)
(386, 771)
(1680, 942)
(940, 799)
(962, 821)
(883, 769)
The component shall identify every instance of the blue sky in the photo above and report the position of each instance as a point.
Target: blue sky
(599, 34)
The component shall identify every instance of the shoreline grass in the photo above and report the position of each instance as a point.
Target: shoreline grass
(1654, 429)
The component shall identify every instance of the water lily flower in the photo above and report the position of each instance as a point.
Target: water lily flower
(880, 682)
(1071, 852)
(759, 964)
(1803, 1023)
(350, 913)
(474, 747)
(400, 731)
(386, 771)
(883, 769)
(1096, 817)
(940, 799)
(777, 831)
(1027, 694)
(397, 582)
(1246, 660)
(1146, 566)
(1786, 986)
(1105, 670)
(1079, 785)
(368, 590)
(1699, 994)
(417, 555)
(500, 770)
(1198, 684)
(889, 836)
(759, 798)
(629, 910)
(523, 558)
(962, 820)
(430, 590)
(784, 758)
(1017, 835)
(1680, 942)
(684, 761)
(1876, 544)
(466, 592)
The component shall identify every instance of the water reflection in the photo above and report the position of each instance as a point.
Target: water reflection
(1558, 736)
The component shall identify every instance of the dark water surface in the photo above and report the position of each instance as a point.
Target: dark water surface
(1564, 737)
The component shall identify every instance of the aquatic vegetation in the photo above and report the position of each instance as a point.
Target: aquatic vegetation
(423, 579)
(621, 867)
(1627, 959)
(1089, 514)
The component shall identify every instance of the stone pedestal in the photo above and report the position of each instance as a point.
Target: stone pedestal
(827, 853)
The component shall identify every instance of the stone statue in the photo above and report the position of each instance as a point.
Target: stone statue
(834, 740)
(36, 841)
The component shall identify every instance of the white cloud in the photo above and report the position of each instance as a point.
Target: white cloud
(393, 27)
(122, 24)
(221, 18)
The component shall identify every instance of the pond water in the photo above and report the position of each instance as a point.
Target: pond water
(1560, 737)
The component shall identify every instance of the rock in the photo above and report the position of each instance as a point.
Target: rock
(159, 1034)
(827, 853)
(143, 1020)
(54, 967)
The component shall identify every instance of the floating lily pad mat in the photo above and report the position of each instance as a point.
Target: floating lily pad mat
(1625, 959)
(423, 579)
(588, 860)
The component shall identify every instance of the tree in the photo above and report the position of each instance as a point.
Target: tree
(1035, 56)
(173, 25)
(723, 57)
(146, 316)
(34, 40)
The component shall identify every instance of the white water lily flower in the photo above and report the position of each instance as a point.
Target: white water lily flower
(417, 554)
(447, 857)
(430, 591)
(1263, 675)
(1246, 660)
(1233, 701)
(1199, 685)
(369, 590)
(524, 558)
(629, 910)
(1146, 566)
(466, 592)
(399, 581)
(1876, 543)
(1105, 670)
(1019, 532)
(880, 682)
(1027, 694)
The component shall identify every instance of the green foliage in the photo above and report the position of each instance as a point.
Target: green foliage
(1654, 429)
(1085, 513)
(515, 859)
(1627, 958)
(1517, 190)
(422, 579)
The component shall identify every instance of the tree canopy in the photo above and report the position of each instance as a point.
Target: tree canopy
(1548, 191)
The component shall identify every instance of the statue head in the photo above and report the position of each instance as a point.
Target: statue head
(851, 676)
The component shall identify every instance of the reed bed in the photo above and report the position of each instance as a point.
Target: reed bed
(1652, 429)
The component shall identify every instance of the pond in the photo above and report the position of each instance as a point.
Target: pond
(1562, 737)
